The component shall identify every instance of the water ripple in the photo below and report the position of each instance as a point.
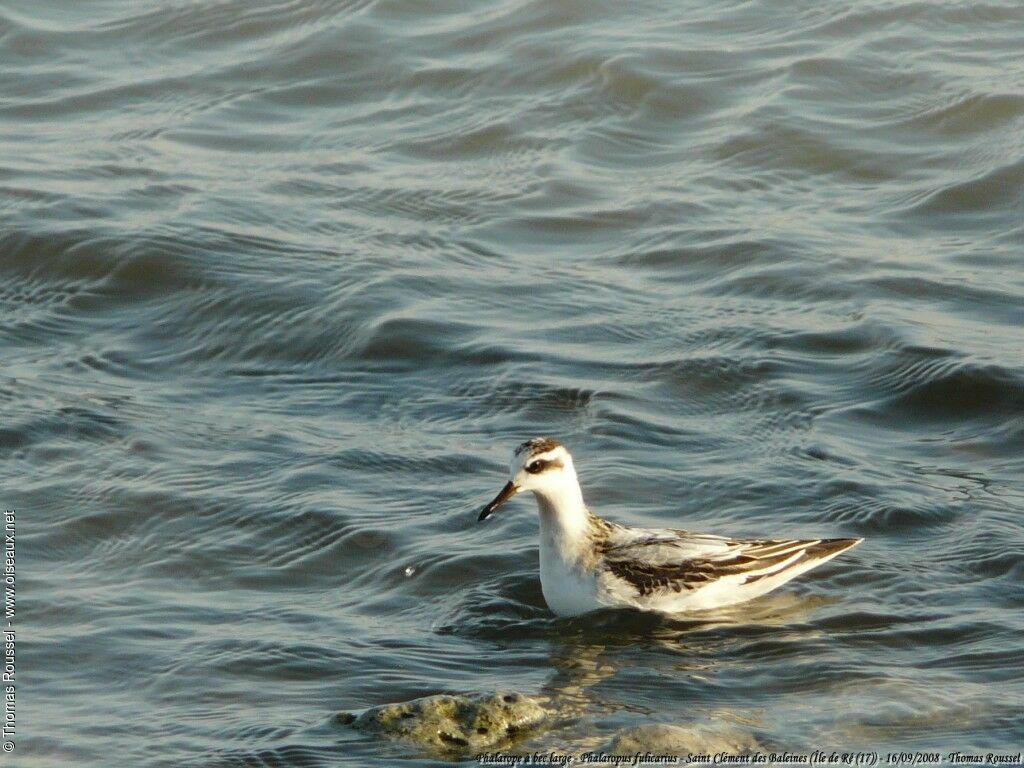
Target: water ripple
(284, 281)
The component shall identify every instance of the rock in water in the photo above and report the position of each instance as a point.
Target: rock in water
(454, 722)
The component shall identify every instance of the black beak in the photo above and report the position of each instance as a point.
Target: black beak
(506, 493)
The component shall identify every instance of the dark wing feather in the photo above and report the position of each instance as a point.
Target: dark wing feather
(757, 558)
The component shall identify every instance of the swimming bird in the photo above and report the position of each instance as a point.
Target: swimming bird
(588, 563)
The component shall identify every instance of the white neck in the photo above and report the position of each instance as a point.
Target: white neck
(564, 520)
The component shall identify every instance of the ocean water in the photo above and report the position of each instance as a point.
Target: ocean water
(283, 283)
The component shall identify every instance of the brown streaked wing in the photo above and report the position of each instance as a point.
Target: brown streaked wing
(757, 558)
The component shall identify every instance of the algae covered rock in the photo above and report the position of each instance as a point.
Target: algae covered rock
(453, 722)
(667, 739)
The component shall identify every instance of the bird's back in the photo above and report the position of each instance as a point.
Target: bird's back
(671, 570)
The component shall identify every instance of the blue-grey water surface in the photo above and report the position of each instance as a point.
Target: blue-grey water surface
(283, 282)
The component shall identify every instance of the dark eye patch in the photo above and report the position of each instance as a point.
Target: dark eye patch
(538, 466)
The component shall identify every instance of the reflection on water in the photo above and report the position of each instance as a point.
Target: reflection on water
(590, 649)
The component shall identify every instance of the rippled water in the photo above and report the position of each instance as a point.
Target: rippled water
(283, 282)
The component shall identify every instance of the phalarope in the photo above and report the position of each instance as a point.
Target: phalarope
(588, 563)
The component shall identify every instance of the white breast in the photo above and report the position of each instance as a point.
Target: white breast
(568, 590)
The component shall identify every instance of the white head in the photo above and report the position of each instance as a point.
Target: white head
(543, 466)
